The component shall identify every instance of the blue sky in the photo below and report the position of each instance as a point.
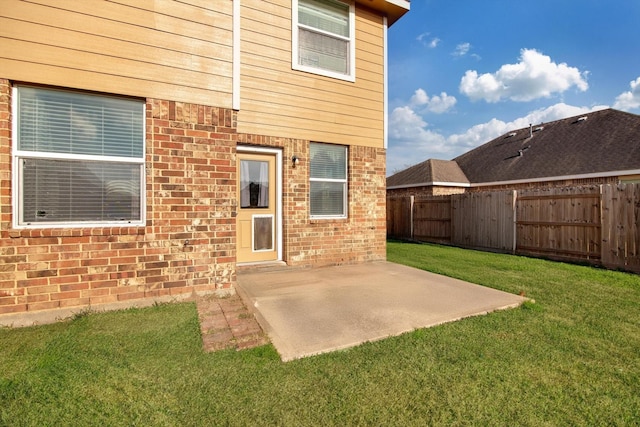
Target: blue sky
(462, 72)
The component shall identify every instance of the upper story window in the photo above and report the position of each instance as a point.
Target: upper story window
(78, 159)
(328, 181)
(324, 38)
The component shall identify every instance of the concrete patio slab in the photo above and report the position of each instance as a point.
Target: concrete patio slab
(313, 311)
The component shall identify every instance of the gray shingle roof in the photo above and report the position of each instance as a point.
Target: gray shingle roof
(427, 172)
(607, 140)
(598, 142)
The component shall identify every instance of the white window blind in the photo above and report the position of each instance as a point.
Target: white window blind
(79, 158)
(328, 180)
(325, 15)
(325, 36)
(322, 51)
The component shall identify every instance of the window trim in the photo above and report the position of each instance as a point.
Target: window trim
(17, 192)
(345, 182)
(351, 76)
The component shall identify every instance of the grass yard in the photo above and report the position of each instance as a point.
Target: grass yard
(572, 358)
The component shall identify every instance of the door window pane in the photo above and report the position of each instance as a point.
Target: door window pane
(254, 184)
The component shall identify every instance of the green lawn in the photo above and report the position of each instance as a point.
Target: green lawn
(572, 358)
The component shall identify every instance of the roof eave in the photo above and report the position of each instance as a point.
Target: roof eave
(393, 9)
(430, 184)
(559, 178)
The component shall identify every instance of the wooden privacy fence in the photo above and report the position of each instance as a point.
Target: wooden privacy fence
(483, 220)
(620, 235)
(597, 224)
(399, 218)
(559, 223)
(432, 220)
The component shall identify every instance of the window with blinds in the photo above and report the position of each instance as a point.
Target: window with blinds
(328, 181)
(324, 38)
(79, 159)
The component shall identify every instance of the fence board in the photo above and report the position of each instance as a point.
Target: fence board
(559, 222)
(399, 218)
(432, 219)
(620, 217)
(483, 220)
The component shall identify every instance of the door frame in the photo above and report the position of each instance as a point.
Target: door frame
(278, 216)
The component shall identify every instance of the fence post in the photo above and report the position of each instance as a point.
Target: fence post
(411, 215)
(603, 254)
(515, 219)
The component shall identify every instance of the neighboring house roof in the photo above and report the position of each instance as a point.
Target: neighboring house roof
(427, 173)
(600, 143)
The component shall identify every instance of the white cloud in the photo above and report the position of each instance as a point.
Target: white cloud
(441, 103)
(631, 99)
(419, 97)
(462, 49)
(436, 104)
(429, 42)
(476, 135)
(412, 142)
(404, 124)
(535, 76)
(408, 127)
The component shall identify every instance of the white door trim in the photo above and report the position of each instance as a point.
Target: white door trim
(278, 153)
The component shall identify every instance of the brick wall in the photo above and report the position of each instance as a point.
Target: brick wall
(187, 246)
(425, 191)
(550, 184)
(311, 242)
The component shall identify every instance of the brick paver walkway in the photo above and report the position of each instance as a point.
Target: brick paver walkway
(225, 322)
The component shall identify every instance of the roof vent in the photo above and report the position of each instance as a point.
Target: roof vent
(538, 129)
(582, 119)
(511, 135)
(520, 153)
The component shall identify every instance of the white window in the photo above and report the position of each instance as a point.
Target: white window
(324, 38)
(78, 159)
(328, 186)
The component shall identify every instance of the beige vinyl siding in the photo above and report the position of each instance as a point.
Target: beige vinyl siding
(178, 50)
(278, 101)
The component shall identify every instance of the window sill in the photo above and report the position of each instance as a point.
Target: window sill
(326, 220)
(74, 232)
(324, 73)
